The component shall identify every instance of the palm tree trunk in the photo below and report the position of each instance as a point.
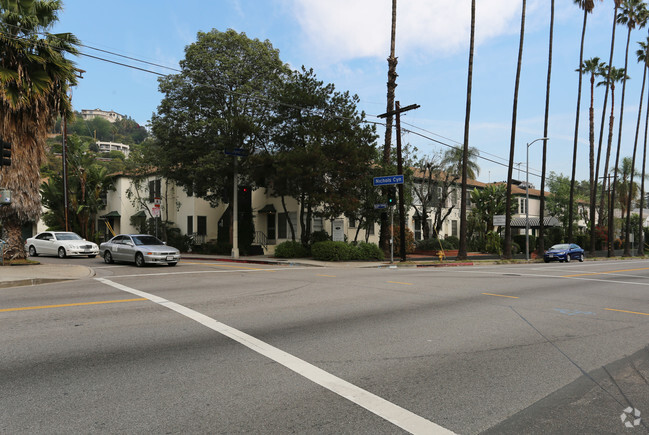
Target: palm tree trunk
(462, 252)
(611, 218)
(591, 161)
(644, 161)
(574, 150)
(627, 246)
(545, 134)
(600, 218)
(392, 84)
(512, 145)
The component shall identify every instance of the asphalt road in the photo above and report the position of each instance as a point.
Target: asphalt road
(207, 347)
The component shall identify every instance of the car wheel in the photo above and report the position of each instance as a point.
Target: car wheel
(62, 252)
(171, 264)
(108, 257)
(581, 258)
(567, 258)
(139, 259)
(32, 251)
(547, 260)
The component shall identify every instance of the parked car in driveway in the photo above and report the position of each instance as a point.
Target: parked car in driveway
(60, 243)
(140, 249)
(564, 252)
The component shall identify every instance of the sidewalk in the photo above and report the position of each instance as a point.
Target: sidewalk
(26, 275)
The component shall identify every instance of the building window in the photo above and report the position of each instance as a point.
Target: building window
(522, 205)
(454, 228)
(417, 229)
(270, 226)
(370, 229)
(154, 189)
(190, 225)
(283, 228)
(352, 223)
(201, 222)
(317, 224)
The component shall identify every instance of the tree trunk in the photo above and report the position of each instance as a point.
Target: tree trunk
(642, 192)
(545, 134)
(462, 251)
(591, 163)
(508, 212)
(15, 247)
(611, 218)
(574, 150)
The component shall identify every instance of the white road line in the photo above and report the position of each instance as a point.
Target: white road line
(194, 272)
(396, 415)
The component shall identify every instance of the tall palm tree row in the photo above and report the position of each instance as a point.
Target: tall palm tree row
(34, 79)
(645, 59)
(632, 15)
(587, 6)
(641, 55)
(510, 169)
(600, 215)
(592, 67)
(611, 76)
(462, 251)
(545, 131)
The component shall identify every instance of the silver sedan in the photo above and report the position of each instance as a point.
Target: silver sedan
(140, 249)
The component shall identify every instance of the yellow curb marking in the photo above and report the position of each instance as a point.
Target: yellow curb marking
(228, 265)
(624, 311)
(70, 305)
(502, 296)
(397, 282)
(604, 273)
(328, 276)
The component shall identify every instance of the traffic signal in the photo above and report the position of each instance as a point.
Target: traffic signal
(5, 153)
(391, 195)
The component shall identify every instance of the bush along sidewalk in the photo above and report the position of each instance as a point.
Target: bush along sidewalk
(341, 251)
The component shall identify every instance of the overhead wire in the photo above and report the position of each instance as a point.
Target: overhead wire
(224, 88)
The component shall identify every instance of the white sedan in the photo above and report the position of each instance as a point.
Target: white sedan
(60, 243)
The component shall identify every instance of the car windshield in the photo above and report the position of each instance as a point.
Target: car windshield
(67, 236)
(559, 247)
(146, 240)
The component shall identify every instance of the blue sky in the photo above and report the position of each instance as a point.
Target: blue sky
(346, 42)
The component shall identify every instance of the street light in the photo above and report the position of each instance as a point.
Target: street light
(527, 199)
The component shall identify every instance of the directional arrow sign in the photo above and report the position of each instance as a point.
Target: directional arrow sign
(388, 180)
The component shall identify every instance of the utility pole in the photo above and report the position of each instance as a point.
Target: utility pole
(392, 84)
(402, 209)
(64, 158)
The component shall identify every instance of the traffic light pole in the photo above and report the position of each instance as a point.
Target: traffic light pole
(391, 234)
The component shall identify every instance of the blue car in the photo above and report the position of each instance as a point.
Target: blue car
(564, 252)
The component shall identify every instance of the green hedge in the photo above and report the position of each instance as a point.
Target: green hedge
(291, 249)
(341, 251)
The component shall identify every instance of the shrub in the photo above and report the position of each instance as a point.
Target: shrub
(520, 240)
(453, 242)
(291, 249)
(410, 240)
(367, 251)
(494, 242)
(332, 251)
(319, 236)
(427, 245)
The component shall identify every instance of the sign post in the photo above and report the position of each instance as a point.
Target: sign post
(236, 152)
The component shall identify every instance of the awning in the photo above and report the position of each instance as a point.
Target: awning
(139, 214)
(111, 214)
(268, 208)
(549, 221)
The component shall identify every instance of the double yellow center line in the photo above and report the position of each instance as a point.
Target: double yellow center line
(41, 307)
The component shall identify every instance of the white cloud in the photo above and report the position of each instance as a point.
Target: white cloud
(340, 30)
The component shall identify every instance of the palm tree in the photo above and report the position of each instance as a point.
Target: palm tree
(587, 6)
(611, 76)
(593, 67)
(453, 161)
(512, 145)
(600, 215)
(34, 79)
(644, 160)
(626, 189)
(642, 58)
(545, 132)
(634, 13)
(462, 254)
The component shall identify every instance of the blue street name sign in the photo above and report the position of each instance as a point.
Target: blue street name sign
(388, 180)
(240, 152)
(380, 206)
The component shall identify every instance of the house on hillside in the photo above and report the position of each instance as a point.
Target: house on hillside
(94, 113)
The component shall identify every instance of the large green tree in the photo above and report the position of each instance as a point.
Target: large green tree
(218, 103)
(34, 79)
(320, 150)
